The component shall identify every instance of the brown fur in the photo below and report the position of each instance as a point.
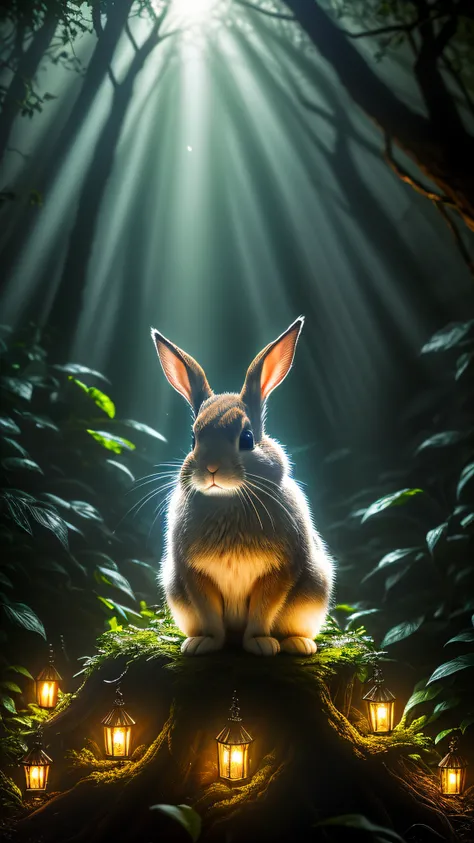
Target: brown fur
(242, 555)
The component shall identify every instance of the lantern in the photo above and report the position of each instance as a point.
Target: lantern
(233, 743)
(47, 684)
(380, 704)
(452, 771)
(118, 729)
(36, 765)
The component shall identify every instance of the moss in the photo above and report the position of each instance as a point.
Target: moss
(295, 721)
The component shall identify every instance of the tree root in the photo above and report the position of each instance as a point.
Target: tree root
(309, 762)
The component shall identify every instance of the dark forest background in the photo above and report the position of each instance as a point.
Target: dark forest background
(216, 181)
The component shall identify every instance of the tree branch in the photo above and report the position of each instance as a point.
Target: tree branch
(382, 30)
(468, 260)
(130, 37)
(416, 185)
(96, 19)
(459, 82)
(255, 8)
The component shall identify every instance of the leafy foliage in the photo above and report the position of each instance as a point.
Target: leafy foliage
(72, 562)
(409, 551)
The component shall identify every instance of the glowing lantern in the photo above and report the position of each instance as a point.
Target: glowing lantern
(233, 743)
(47, 686)
(380, 704)
(118, 729)
(452, 770)
(36, 765)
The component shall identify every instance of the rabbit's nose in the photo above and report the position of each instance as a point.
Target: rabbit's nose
(212, 469)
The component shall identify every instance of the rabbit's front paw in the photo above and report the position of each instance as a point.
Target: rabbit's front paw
(299, 645)
(263, 645)
(199, 645)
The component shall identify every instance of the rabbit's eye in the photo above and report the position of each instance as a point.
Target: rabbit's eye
(193, 441)
(246, 442)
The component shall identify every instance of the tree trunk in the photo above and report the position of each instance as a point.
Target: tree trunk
(69, 300)
(28, 64)
(308, 761)
(442, 149)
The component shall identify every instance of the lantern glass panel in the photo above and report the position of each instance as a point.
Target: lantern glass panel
(47, 693)
(117, 741)
(36, 776)
(453, 780)
(233, 760)
(381, 716)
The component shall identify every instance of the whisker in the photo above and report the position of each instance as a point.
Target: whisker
(270, 495)
(149, 495)
(242, 499)
(142, 482)
(245, 491)
(265, 508)
(272, 482)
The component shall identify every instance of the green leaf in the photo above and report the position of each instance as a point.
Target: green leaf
(15, 446)
(401, 631)
(465, 481)
(8, 703)
(453, 666)
(77, 369)
(442, 440)
(463, 363)
(399, 498)
(357, 615)
(184, 815)
(85, 510)
(143, 428)
(434, 535)
(53, 522)
(124, 611)
(115, 579)
(10, 686)
(111, 442)
(22, 615)
(99, 398)
(5, 581)
(376, 832)
(420, 697)
(439, 737)
(122, 468)
(17, 386)
(448, 337)
(18, 668)
(393, 579)
(444, 705)
(20, 464)
(392, 558)
(7, 425)
(468, 721)
(40, 422)
(466, 637)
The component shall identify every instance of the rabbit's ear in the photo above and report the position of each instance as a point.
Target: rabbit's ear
(268, 370)
(182, 371)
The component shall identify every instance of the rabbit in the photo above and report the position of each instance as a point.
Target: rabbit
(242, 556)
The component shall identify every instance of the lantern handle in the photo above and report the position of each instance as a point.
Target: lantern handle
(453, 743)
(118, 680)
(119, 701)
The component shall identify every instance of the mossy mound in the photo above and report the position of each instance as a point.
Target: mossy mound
(309, 761)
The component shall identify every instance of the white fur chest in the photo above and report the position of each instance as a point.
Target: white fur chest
(235, 572)
(235, 575)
